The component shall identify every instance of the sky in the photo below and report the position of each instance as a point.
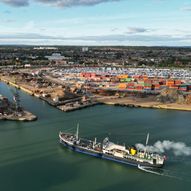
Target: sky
(96, 22)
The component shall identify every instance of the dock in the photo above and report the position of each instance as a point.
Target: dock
(25, 116)
(13, 110)
(75, 103)
(74, 107)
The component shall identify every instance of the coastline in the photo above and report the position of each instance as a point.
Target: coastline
(127, 102)
(57, 106)
(137, 103)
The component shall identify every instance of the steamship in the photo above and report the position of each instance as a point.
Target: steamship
(111, 151)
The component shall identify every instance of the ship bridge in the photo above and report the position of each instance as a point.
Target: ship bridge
(111, 146)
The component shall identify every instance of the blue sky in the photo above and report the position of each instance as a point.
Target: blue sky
(96, 22)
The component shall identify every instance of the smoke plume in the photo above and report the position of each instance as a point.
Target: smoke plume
(178, 148)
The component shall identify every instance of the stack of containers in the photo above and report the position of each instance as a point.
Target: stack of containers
(189, 88)
(170, 82)
(177, 82)
(131, 86)
(145, 77)
(183, 87)
(112, 85)
(136, 77)
(121, 80)
(163, 84)
(128, 80)
(123, 76)
(140, 85)
(147, 84)
(156, 87)
(115, 79)
(122, 86)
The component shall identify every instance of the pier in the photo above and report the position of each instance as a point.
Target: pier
(13, 110)
(73, 107)
(24, 116)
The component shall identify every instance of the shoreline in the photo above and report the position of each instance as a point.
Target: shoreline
(59, 106)
(127, 102)
(132, 103)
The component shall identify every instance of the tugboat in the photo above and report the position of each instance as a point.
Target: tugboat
(111, 151)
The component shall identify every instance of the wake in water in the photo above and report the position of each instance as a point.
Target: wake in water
(180, 151)
(160, 172)
(150, 170)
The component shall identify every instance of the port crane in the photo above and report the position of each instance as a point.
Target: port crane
(16, 101)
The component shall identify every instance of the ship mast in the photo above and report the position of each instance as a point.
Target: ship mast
(77, 131)
(16, 99)
(147, 140)
(94, 142)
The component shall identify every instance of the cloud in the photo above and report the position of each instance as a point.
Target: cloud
(126, 38)
(70, 3)
(16, 3)
(133, 30)
(186, 8)
(27, 36)
(9, 20)
(7, 12)
(58, 3)
(114, 29)
(38, 39)
(110, 39)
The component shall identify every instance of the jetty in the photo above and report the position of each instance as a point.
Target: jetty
(76, 106)
(24, 116)
(13, 111)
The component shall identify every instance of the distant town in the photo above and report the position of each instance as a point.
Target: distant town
(31, 56)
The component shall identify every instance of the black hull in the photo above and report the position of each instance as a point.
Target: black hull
(108, 157)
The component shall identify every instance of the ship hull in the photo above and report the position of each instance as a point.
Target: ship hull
(107, 157)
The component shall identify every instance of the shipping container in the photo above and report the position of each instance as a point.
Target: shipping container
(124, 76)
(122, 86)
(178, 82)
(128, 79)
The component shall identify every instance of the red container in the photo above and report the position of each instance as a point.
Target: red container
(178, 82)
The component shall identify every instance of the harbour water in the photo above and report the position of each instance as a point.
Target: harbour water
(32, 159)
